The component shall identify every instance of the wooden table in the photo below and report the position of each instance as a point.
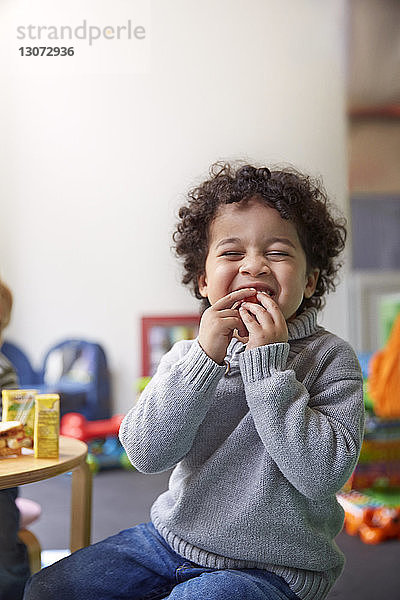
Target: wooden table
(18, 470)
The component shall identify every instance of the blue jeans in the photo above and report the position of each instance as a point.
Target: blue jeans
(137, 564)
(14, 564)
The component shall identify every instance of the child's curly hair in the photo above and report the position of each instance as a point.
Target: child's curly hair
(297, 197)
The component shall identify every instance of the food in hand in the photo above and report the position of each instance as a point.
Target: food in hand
(254, 298)
(239, 303)
(250, 299)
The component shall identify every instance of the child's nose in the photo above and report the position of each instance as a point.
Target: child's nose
(255, 266)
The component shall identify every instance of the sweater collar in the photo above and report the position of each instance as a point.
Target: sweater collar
(302, 326)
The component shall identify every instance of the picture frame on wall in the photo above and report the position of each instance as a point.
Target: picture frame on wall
(160, 333)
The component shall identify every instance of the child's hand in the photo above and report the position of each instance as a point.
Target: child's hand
(219, 322)
(264, 322)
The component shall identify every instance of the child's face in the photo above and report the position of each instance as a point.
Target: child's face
(252, 246)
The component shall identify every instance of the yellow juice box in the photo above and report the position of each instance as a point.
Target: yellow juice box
(47, 425)
(19, 405)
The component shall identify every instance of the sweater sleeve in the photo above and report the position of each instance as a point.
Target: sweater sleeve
(313, 429)
(159, 431)
(8, 375)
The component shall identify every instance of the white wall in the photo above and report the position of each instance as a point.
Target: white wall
(93, 167)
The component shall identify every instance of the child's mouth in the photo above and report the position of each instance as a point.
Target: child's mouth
(254, 298)
(268, 291)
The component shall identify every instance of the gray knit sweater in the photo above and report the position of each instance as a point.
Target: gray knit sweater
(259, 452)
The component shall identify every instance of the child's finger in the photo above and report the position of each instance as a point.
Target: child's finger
(232, 298)
(266, 300)
(272, 307)
(228, 312)
(261, 314)
(232, 317)
(242, 338)
(248, 319)
(232, 323)
(242, 330)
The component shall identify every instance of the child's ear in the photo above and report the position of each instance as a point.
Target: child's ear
(202, 283)
(311, 283)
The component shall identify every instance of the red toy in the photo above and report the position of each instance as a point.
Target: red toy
(77, 426)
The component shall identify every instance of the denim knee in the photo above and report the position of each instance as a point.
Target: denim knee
(42, 585)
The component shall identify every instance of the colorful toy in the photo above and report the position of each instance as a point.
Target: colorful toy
(107, 453)
(384, 376)
(371, 497)
(371, 519)
(379, 462)
(77, 426)
(104, 448)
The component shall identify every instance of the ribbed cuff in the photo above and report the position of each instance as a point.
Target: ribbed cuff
(263, 361)
(199, 369)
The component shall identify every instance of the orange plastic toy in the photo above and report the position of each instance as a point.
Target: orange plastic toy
(370, 519)
(381, 524)
(384, 376)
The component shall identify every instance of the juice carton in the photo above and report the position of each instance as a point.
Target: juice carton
(19, 405)
(47, 425)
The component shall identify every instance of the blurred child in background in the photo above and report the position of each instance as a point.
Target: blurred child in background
(14, 564)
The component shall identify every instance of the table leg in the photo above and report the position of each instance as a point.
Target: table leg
(81, 506)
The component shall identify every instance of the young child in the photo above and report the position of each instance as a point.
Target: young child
(261, 415)
(14, 563)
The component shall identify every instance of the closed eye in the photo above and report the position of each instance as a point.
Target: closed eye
(277, 253)
(272, 254)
